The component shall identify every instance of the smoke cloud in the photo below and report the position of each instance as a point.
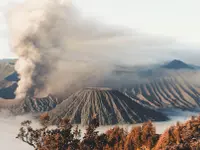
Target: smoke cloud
(59, 51)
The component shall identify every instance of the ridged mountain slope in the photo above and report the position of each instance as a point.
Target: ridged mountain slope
(176, 90)
(111, 106)
(29, 105)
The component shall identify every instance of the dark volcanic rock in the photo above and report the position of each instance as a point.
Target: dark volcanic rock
(111, 106)
(29, 105)
(177, 64)
(9, 91)
(12, 77)
(8, 79)
(38, 104)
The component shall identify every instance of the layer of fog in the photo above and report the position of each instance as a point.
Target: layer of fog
(9, 127)
(174, 115)
(127, 76)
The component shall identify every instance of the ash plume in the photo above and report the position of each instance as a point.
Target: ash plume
(59, 51)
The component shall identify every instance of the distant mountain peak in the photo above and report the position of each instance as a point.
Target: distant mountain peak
(177, 64)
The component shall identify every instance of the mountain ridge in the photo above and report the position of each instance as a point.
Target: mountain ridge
(111, 106)
(177, 64)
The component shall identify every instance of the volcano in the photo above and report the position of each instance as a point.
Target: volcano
(177, 64)
(111, 107)
(29, 104)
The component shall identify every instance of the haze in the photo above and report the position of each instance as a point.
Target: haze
(12, 125)
(175, 21)
(160, 31)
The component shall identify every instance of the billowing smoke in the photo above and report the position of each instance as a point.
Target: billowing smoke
(56, 48)
(59, 51)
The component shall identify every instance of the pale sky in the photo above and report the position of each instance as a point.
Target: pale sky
(175, 19)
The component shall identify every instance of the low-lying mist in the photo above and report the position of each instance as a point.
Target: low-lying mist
(10, 125)
(175, 115)
(9, 128)
(59, 52)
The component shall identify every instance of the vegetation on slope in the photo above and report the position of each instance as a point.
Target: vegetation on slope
(180, 137)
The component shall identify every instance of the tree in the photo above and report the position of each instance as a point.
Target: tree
(148, 135)
(142, 137)
(116, 138)
(60, 138)
(91, 139)
(30, 136)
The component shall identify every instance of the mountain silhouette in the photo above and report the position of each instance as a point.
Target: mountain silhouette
(177, 64)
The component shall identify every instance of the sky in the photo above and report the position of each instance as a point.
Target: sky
(175, 19)
(178, 19)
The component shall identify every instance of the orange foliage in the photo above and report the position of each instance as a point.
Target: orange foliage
(115, 138)
(182, 136)
(44, 119)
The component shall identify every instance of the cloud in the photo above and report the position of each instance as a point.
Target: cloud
(60, 51)
(10, 125)
(9, 128)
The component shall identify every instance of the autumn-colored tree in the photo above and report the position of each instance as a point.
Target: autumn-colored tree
(44, 119)
(149, 137)
(177, 132)
(181, 136)
(30, 136)
(116, 138)
(184, 136)
(61, 138)
(144, 137)
(129, 143)
(91, 139)
(136, 137)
